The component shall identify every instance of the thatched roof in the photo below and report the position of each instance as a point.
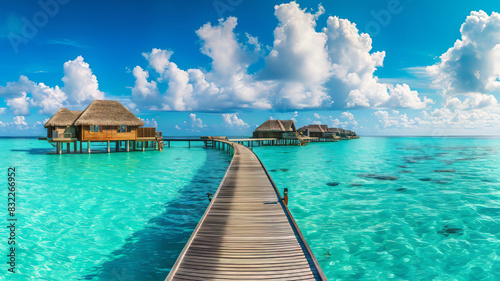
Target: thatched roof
(334, 130)
(277, 126)
(317, 128)
(63, 117)
(108, 113)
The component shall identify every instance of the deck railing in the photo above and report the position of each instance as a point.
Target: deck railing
(146, 132)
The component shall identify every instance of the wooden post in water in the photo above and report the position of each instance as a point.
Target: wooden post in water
(88, 146)
(68, 148)
(81, 146)
(109, 150)
(143, 146)
(58, 150)
(127, 145)
(285, 197)
(117, 146)
(189, 144)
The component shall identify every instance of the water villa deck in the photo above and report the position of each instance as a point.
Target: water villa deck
(247, 231)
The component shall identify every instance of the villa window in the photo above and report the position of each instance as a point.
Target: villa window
(122, 129)
(94, 128)
(129, 129)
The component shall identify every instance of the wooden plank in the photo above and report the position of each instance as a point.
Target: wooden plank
(246, 233)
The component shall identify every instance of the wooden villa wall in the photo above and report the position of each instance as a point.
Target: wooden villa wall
(107, 133)
(267, 134)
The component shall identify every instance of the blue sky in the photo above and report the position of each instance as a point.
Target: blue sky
(223, 67)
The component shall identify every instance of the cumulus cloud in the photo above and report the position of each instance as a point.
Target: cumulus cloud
(472, 65)
(143, 90)
(19, 121)
(394, 119)
(19, 105)
(150, 123)
(347, 115)
(80, 84)
(304, 68)
(346, 120)
(353, 71)
(232, 120)
(196, 122)
(80, 87)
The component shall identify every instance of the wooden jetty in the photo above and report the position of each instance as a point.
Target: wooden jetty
(247, 231)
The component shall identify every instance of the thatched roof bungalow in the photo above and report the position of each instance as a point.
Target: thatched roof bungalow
(61, 124)
(276, 129)
(101, 121)
(314, 130)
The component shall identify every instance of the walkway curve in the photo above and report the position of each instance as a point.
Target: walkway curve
(247, 232)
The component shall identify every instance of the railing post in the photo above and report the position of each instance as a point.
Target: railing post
(285, 197)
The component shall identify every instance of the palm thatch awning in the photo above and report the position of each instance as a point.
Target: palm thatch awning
(277, 126)
(108, 113)
(63, 117)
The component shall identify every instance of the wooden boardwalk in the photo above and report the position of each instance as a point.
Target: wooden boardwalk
(247, 232)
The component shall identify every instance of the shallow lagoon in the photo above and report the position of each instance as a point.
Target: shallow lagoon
(396, 208)
(373, 208)
(118, 216)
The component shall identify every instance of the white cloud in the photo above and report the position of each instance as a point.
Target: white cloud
(19, 105)
(48, 99)
(80, 84)
(472, 65)
(394, 120)
(348, 121)
(354, 67)
(347, 115)
(150, 123)
(305, 68)
(232, 120)
(143, 90)
(196, 122)
(177, 127)
(2, 110)
(80, 87)
(158, 59)
(19, 121)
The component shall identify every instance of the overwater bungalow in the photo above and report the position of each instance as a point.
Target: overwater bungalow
(280, 129)
(102, 121)
(314, 131)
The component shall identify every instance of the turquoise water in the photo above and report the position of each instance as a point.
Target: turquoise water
(118, 216)
(371, 209)
(396, 208)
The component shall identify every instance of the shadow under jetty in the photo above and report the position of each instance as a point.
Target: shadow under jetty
(150, 253)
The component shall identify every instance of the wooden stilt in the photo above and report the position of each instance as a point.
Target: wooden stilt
(143, 147)
(189, 144)
(109, 150)
(88, 146)
(58, 148)
(127, 145)
(81, 146)
(117, 146)
(68, 147)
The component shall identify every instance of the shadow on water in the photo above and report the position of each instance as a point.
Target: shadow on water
(149, 254)
(35, 151)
